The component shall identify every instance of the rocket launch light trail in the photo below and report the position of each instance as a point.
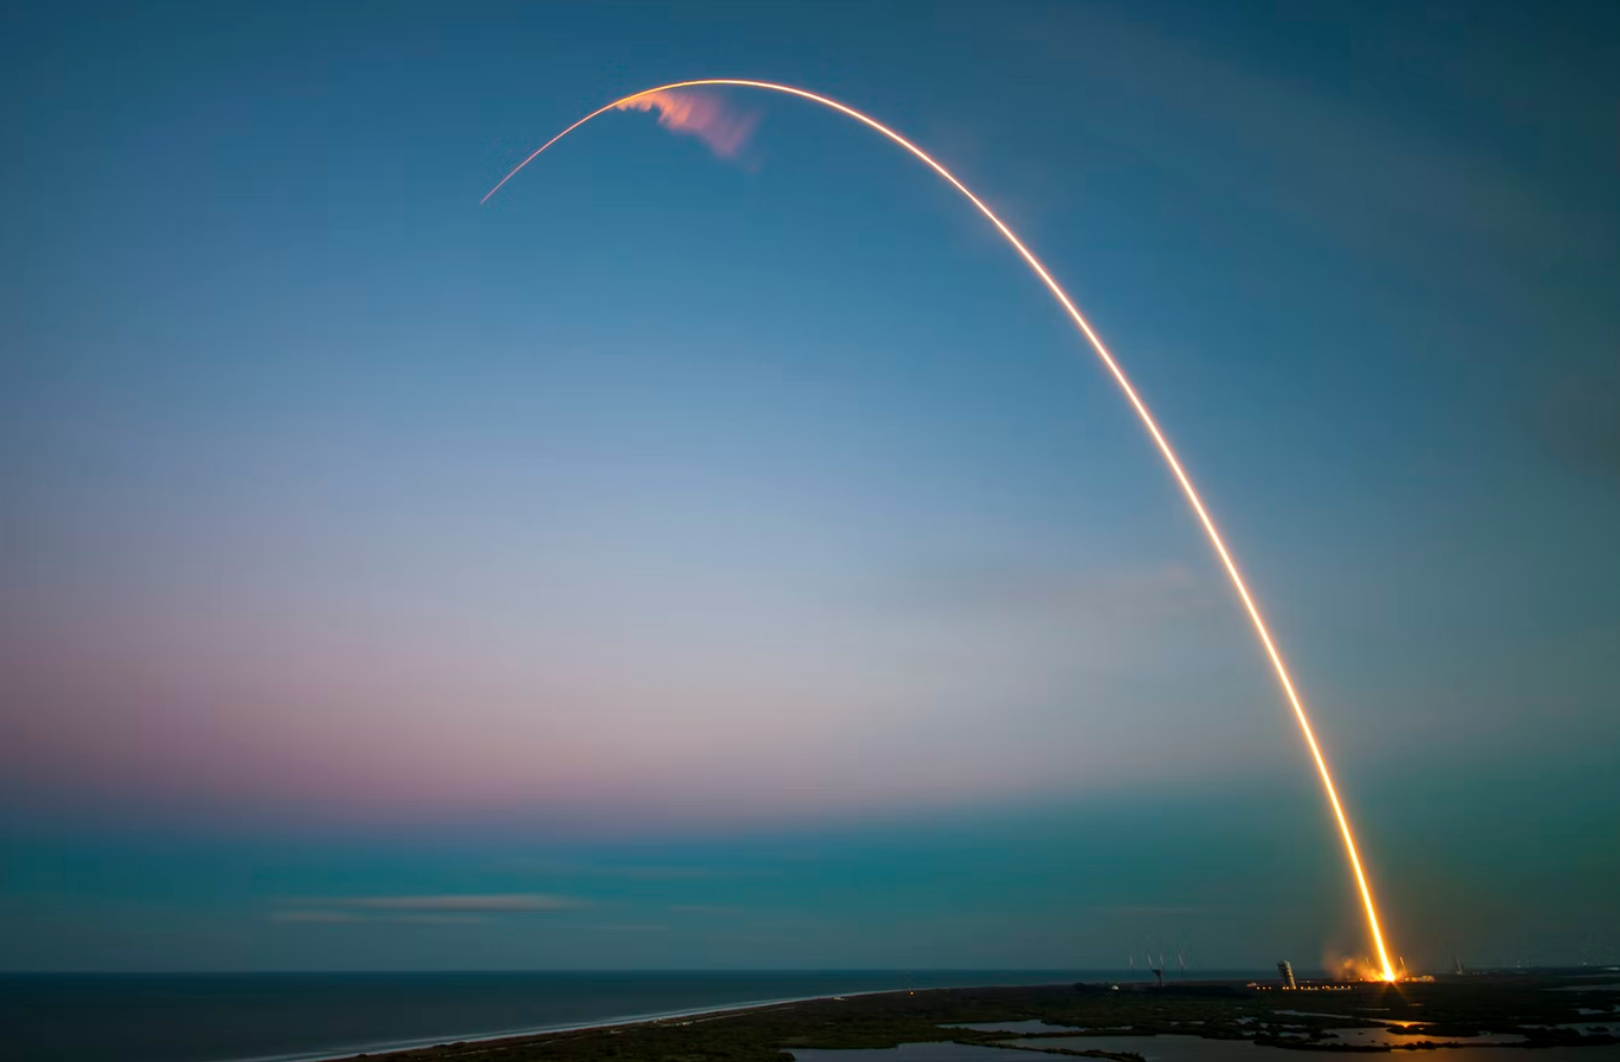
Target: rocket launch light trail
(1136, 402)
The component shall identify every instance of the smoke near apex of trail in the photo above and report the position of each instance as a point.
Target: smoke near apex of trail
(700, 114)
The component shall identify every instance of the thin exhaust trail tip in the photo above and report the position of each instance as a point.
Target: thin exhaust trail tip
(1148, 422)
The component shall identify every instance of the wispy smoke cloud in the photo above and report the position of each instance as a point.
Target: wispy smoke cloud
(700, 114)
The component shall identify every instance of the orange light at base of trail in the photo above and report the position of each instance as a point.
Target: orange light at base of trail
(1137, 404)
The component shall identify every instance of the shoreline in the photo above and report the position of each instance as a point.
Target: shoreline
(757, 1019)
(886, 1018)
(388, 1050)
(384, 1052)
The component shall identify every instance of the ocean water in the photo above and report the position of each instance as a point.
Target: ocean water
(287, 1017)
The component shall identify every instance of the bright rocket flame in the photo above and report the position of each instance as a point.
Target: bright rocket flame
(1356, 968)
(632, 102)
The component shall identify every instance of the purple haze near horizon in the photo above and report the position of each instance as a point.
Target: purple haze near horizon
(744, 491)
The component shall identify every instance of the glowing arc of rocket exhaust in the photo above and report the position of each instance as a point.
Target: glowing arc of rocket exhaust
(1165, 450)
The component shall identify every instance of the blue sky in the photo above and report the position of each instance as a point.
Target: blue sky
(688, 560)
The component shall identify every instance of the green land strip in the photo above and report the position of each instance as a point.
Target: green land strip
(1450, 1011)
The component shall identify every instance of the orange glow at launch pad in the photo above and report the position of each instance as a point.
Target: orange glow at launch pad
(638, 100)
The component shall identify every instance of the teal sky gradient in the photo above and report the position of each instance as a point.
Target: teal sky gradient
(690, 560)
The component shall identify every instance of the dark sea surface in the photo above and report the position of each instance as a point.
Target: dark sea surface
(286, 1017)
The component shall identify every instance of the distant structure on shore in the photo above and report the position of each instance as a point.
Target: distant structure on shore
(1285, 973)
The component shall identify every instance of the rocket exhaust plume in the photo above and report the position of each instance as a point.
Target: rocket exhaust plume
(650, 98)
(699, 114)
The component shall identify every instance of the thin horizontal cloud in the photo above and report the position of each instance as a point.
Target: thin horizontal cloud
(313, 917)
(1147, 911)
(1053, 592)
(485, 903)
(321, 917)
(635, 872)
(679, 873)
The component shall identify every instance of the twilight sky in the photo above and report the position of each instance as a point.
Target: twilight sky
(718, 550)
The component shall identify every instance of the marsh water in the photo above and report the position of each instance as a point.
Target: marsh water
(1184, 1049)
